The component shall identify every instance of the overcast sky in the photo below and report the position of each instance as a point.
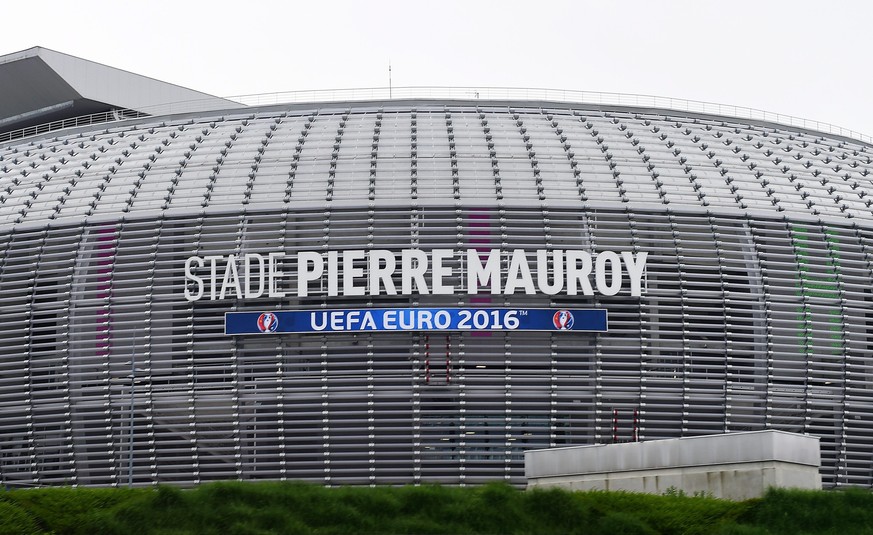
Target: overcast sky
(802, 58)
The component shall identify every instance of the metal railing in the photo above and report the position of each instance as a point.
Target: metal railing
(83, 120)
(554, 95)
(452, 93)
(187, 106)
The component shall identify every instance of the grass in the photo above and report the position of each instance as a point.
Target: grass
(295, 508)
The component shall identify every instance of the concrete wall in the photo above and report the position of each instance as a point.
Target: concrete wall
(735, 466)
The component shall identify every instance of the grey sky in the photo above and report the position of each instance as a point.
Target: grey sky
(802, 58)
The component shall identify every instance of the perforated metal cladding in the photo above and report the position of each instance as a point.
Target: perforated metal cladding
(757, 313)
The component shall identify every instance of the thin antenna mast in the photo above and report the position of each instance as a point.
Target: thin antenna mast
(389, 78)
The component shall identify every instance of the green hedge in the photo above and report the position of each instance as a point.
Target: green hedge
(294, 508)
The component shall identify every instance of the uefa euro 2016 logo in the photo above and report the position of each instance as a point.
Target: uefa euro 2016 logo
(268, 322)
(563, 320)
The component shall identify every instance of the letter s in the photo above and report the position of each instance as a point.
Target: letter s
(190, 276)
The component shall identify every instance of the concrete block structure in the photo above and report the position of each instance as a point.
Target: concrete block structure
(735, 466)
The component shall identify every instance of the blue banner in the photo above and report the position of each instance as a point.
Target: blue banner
(357, 320)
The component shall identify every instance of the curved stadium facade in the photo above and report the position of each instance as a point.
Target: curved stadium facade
(756, 313)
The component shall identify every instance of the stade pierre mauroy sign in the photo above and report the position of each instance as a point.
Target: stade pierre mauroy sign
(360, 273)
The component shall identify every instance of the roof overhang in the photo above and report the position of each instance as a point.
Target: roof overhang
(40, 86)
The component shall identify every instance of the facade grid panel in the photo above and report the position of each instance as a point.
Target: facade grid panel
(755, 313)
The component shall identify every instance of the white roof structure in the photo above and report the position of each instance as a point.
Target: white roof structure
(40, 85)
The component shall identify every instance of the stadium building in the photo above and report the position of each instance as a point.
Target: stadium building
(367, 290)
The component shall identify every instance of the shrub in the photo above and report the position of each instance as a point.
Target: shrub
(805, 511)
(274, 507)
(15, 521)
(623, 524)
